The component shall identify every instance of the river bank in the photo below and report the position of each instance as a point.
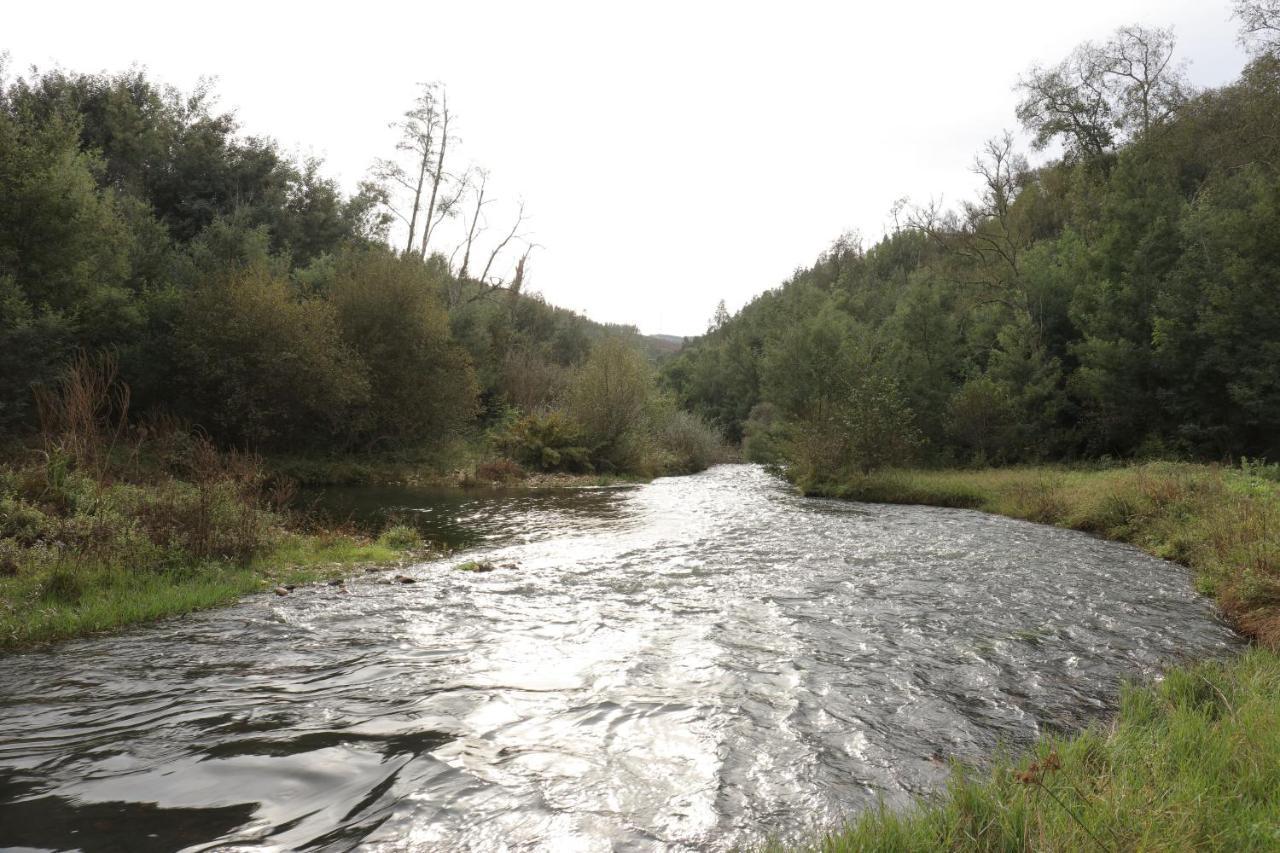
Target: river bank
(91, 545)
(1192, 762)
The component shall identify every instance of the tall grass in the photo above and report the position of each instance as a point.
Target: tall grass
(108, 522)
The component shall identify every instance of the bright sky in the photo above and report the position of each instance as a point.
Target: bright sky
(671, 154)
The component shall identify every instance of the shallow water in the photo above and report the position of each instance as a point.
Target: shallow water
(692, 664)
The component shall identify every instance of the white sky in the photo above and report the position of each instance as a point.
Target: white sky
(671, 154)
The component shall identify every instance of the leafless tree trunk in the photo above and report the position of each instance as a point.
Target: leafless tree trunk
(434, 215)
(484, 276)
(475, 221)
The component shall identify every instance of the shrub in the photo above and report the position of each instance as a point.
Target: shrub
(421, 383)
(402, 537)
(611, 396)
(762, 439)
(687, 443)
(499, 471)
(549, 442)
(259, 366)
(529, 381)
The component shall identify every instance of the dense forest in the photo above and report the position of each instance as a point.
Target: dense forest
(1118, 300)
(238, 291)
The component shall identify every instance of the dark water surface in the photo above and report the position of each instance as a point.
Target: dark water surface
(691, 664)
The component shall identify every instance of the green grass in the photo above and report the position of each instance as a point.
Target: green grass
(1189, 763)
(64, 602)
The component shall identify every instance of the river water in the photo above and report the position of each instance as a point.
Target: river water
(697, 663)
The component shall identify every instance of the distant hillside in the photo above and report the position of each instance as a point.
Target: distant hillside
(660, 346)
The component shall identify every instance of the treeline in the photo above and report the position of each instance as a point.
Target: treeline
(1121, 300)
(241, 291)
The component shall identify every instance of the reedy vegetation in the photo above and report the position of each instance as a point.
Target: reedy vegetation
(110, 522)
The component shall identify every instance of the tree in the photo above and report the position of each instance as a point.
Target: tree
(1069, 101)
(253, 364)
(424, 138)
(422, 387)
(1102, 95)
(879, 424)
(1259, 24)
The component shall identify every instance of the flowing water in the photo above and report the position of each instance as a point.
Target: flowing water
(697, 663)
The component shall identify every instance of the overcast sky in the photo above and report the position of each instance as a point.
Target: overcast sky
(670, 154)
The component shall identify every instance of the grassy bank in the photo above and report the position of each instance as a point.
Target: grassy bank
(1192, 762)
(103, 530)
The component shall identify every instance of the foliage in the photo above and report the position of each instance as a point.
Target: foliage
(256, 365)
(1118, 301)
(423, 386)
(610, 397)
(241, 291)
(547, 442)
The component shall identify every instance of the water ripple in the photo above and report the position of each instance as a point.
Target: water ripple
(693, 664)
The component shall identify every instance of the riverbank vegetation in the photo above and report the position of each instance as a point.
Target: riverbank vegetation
(191, 321)
(243, 293)
(110, 522)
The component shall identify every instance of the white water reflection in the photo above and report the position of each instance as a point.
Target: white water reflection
(692, 664)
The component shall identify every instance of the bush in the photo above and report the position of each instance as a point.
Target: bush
(531, 382)
(499, 471)
(421, 385)
(401, 537)
(762, 438)
(611, 396)
(548, 442)
(261, 367)
(687, 443)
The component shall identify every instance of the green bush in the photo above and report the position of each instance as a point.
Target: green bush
(548, 442)
(687, 443)
(611, 396)
(421, 384)
(401, 537)
(257, 365)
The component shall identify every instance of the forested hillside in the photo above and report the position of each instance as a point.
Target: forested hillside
(1119, 300)
(240, 291)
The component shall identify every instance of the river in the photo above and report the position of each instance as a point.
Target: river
(693, 664)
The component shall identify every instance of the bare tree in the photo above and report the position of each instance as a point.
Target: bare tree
(421, 139)
(473, 229)
(1147, 83)
(439, 207)
(1259, 24)
(987, 239)
(502, 244)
